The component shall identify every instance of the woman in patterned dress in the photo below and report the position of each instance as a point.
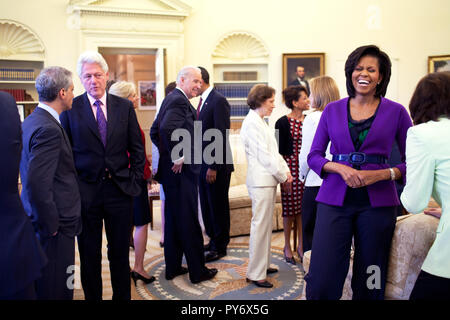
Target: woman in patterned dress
(290, 143)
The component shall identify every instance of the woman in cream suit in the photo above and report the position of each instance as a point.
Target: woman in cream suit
(266, 168)
(428, 174)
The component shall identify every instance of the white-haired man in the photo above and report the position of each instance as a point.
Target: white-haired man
(179, 176)
(109, 158)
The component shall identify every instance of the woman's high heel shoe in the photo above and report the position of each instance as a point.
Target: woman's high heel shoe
(290, 260)
(136, 276)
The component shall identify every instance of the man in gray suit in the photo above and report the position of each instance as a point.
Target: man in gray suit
(50, 192)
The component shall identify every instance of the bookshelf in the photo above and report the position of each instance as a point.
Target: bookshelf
(17, 78)
(234, 81)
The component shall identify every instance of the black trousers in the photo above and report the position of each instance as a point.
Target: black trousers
(372, 229)
(309, 212)
(113, 207)
(216, 209)
(430, 287)
(182, 231)
(56, 282)
(27, 293)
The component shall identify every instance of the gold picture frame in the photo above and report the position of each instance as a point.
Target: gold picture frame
(438, 63)
(314, 64)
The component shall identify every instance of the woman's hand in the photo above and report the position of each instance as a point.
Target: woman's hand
(435, 212)
(287, 185)
(368, 177)
(351, 176)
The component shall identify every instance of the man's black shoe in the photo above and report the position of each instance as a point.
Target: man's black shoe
(214, 255)
(208, 275)
(207, 247)
(183, 270)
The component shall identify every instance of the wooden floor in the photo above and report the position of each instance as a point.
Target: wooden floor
(153, 249)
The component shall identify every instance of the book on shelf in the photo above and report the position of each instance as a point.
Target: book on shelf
(18, 94)
(14, 74)
(240, 75)
(235, 90)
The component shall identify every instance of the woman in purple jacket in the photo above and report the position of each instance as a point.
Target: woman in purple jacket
(358, 196)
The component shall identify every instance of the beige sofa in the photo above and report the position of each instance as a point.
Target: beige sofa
(413, 236)
(240, 203)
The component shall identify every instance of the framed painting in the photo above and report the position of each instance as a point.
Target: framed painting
(302, 65)
(438, 63)
(147, 95)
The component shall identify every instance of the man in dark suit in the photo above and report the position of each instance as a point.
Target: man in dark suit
(109, 158)
(21, 258)
(300, 80)
(214, 181)
(178, 173)
(50, 192)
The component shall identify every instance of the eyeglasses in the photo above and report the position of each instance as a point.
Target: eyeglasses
(88, 76)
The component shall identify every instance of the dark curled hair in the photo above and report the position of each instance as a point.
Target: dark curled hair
(258, 94)
(170, 87)
(431, 99)
(384, 64)
(205, 75)
(291, 94)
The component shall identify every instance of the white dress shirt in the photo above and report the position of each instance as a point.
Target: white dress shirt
(428, 174)
(309, 130)
(50, 110)
(94, 107)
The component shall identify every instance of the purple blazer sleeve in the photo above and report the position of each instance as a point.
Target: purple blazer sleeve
(316, 157)
(404, 123)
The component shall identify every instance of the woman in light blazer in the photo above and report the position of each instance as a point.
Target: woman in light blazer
(266, 168)
(428, 174)
(323, 91)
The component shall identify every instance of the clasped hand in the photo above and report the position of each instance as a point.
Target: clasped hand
(287, 185)
(358, 178)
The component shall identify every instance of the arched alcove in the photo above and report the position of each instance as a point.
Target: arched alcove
(19, 42)
(240, 45)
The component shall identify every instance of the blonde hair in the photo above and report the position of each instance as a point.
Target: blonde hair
(123, 89)
(323, 90)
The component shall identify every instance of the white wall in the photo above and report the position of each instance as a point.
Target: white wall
(407, 30)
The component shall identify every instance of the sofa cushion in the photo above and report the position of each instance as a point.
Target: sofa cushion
(239, 198)
(414, 234)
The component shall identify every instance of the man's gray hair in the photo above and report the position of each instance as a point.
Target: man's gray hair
(91, 57)
(186, 71)
(50, 81)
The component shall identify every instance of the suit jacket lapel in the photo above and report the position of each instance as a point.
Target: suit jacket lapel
(206, 102)
(113, 114)
(344, 114)
(88, 116)
(50, 117)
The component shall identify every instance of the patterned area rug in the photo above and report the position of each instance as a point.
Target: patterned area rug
(229, 283)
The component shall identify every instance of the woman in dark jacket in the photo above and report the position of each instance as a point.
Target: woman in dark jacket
(290, 142)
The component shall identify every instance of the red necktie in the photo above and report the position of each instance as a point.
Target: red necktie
(199, 105)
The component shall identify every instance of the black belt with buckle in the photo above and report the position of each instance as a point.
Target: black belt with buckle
(359, 158)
